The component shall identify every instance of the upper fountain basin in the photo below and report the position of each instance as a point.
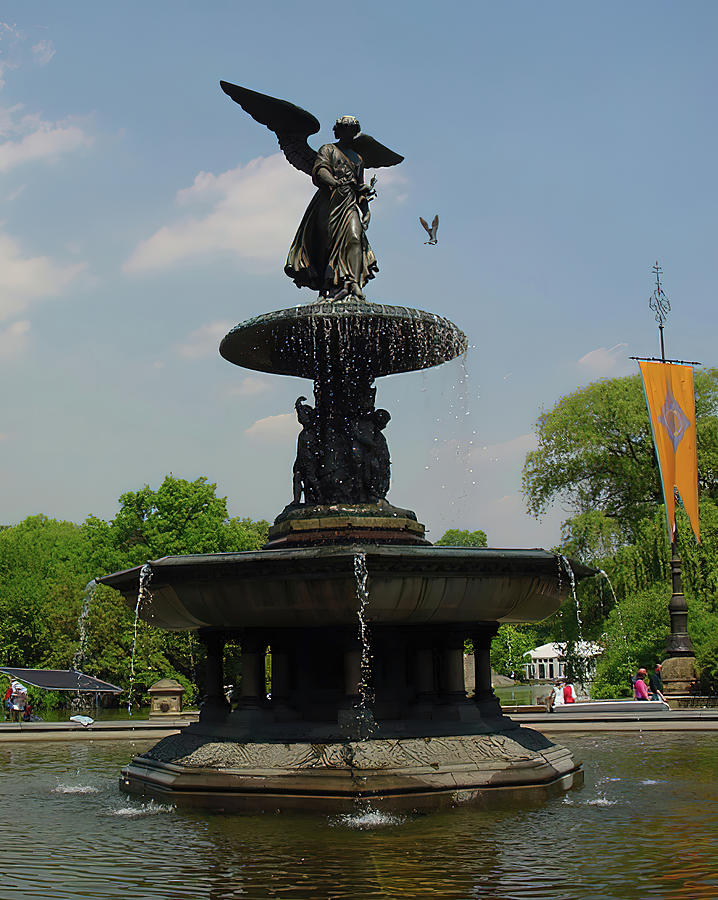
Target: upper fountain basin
(358, 336)
(317, 586)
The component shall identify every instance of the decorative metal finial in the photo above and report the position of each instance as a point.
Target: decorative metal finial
(659, 304)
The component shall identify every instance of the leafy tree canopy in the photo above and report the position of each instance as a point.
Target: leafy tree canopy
(45, 565)
(179, 517)
(456, 538)
(595, 454)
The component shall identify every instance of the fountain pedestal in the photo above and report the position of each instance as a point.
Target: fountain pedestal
(350, 714)
(321, 739)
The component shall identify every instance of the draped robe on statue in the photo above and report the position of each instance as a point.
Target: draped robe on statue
(321, 255)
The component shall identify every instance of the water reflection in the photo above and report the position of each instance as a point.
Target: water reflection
(645, 826)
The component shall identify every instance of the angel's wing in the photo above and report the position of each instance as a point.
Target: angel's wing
(290, 123)
(374, 155)
(426, 225)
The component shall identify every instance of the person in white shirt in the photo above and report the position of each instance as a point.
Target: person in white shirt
(18, 700)
(557, 696)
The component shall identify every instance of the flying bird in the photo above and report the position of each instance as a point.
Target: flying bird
(431, 231)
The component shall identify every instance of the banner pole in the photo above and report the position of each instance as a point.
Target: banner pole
(679, 642)
(679, 671)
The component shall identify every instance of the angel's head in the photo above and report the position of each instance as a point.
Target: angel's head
(346, 127)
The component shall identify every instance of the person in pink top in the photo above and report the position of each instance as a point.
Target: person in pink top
(640, 688)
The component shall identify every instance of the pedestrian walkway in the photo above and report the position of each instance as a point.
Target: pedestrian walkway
(666, 720)
(125, 730)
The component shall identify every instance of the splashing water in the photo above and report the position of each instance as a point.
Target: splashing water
(601, 801)
(620, 617)
(572, 581)
(62, 788)
(144, 809)
(366, 820)
(143, 593)
(361, 574)
(88, 596)
(75, 789)
(364, 723)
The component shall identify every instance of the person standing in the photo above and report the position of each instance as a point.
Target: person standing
(569, 694)
(655, 683)
(18, 700)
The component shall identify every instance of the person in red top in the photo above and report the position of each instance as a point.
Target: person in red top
(640, 688)
(569, 694)
(6, 702)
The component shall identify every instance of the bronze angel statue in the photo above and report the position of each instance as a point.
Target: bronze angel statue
(330, 252)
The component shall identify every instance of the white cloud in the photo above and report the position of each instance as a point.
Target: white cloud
(9, 36)
(251, 386)
(392, 186)
(251, 212)
(13, 195)
(37, 139)
(26, 279)
(606, 361)
(205, 340)
(43, 52)
(274, 428)
(14, 340)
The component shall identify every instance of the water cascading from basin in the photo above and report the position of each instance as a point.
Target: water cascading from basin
(143, 596)
(365, 717)
(88, 595)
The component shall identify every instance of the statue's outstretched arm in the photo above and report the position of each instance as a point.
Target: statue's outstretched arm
(290, 123)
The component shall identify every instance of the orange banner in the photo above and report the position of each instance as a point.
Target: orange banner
(671, 406)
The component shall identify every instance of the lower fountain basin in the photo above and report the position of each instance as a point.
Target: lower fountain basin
(398, 774)
(316, 586)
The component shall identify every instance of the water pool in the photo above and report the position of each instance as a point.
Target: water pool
(644, 825)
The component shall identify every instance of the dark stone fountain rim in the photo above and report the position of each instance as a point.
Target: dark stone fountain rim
(264, 343)
(339, 559)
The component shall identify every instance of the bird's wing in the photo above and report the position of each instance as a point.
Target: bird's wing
(435, 225)
(290, 123)
(374, 155)
(425, 224)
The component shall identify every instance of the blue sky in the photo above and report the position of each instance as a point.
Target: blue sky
(566, 147)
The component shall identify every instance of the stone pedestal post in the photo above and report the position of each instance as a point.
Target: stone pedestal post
(422, 675)
(252, 692)
(679, 669)
(215, 706)
(451, 670)
(281, 686)
(484, 695)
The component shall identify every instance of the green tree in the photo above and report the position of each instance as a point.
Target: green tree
(509, 648)
(635, 635)
(456, 538)
(179, 517)
(45, 565)
(43, 568)
(595, 452)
